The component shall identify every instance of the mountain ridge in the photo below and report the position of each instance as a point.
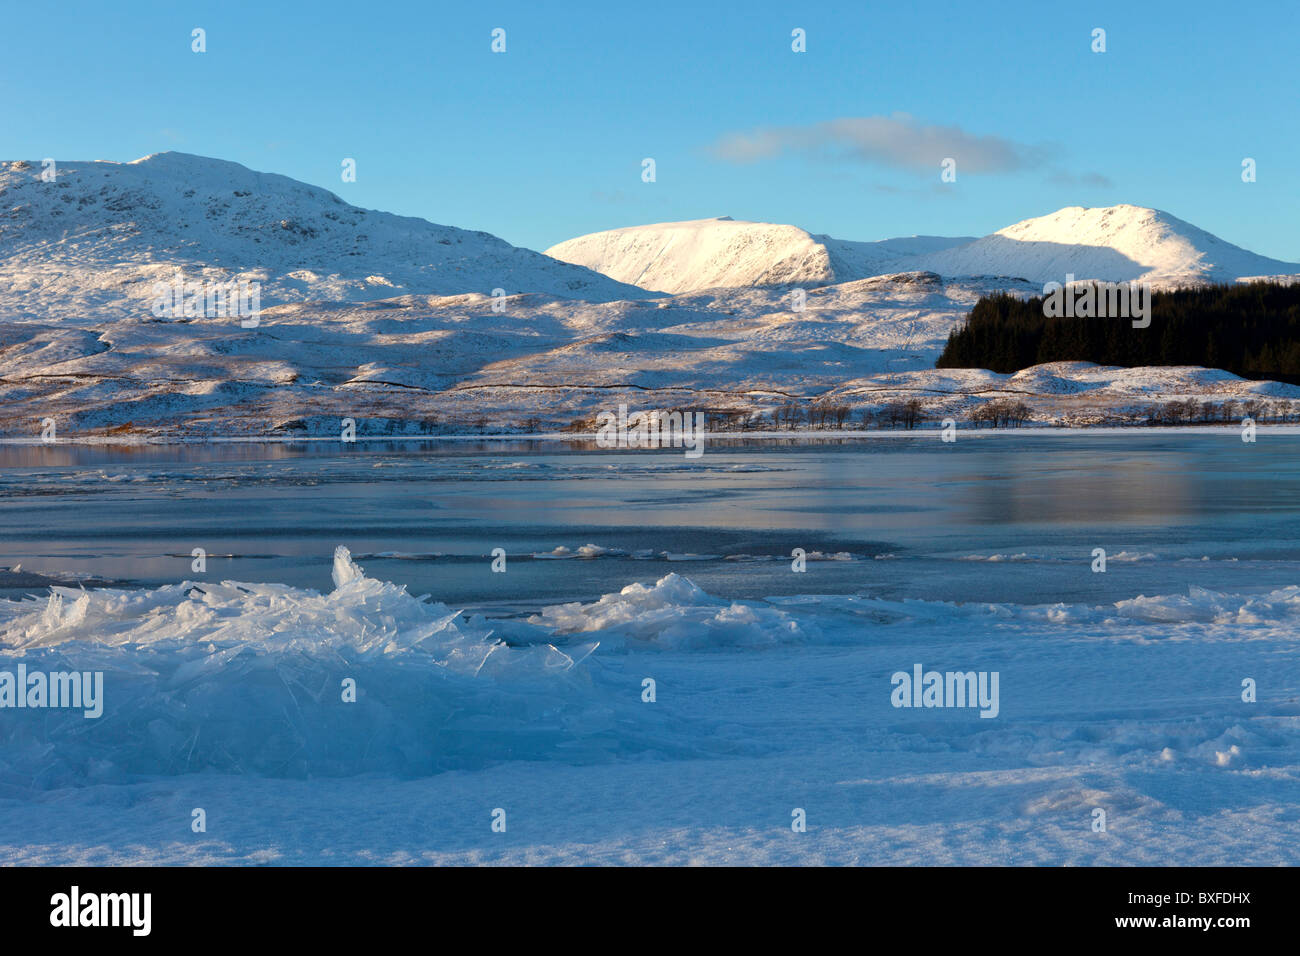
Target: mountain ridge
(1110, 243)
(93, 241)
(724, 252)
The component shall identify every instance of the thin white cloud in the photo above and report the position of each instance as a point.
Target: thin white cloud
(898, 140)
(1064, 178)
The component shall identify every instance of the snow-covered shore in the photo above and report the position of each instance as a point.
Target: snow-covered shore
(226, 698)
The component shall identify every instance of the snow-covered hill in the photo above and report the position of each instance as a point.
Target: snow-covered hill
(678, 257)
(92, 243)
(1114, 243)
(388, 319)
(426, 364)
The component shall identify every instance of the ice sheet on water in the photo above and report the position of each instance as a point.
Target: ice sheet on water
(675, 613)
(241, 677)
(1199, 613)
(585, 551)
(249, 678)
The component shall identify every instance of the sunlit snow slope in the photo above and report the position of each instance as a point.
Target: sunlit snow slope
(1115, 243)
(718, 253)
(92, 242)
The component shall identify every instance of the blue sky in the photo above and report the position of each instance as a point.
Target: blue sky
(545, 141)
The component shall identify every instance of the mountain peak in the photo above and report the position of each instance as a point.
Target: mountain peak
(724, 252)
(1112, 243)
(94, 241)
(171, 162)
(168, 156)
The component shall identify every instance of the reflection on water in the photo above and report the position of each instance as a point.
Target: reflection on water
(1011, 518)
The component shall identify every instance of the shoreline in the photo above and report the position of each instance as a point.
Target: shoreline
(728, 437)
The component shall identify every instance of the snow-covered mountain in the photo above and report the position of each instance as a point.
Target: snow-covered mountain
(92, 242)
(700, 254)
(1114, 243)
(391, 320)
(423, 364)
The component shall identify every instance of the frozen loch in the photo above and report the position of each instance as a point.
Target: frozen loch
(652, 673)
